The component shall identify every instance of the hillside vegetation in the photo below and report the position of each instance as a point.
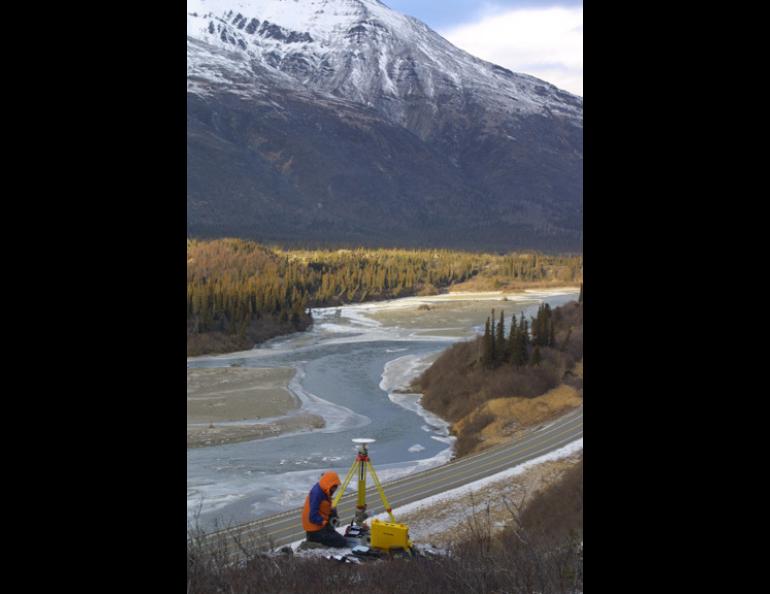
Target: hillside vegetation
(502, 381)
(240, 293)
(539, 550)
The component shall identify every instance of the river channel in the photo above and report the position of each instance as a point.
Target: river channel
(352, 366)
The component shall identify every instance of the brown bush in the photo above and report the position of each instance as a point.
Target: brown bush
(469, 438)
(541, 552)
(557, 513)
(481, 565)
(257, 331)
(457, 382)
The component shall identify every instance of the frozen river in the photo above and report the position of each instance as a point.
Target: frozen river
(348, 366)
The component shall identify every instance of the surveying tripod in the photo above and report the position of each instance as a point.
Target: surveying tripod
(360, 465)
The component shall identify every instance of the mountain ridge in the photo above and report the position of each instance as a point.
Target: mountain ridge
(346, 115)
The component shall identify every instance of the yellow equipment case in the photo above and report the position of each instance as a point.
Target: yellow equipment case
(389, 535)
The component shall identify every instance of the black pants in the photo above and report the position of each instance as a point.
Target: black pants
(327, 536)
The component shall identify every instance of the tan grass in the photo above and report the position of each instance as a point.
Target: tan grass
(514, 414)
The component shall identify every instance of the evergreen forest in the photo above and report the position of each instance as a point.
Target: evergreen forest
(240, 292)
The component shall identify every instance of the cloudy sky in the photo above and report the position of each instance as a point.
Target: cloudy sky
(543, 38)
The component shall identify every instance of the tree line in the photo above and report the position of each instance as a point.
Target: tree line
(524, 340)
(232, 283)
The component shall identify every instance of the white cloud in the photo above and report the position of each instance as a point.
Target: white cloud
(546, 43)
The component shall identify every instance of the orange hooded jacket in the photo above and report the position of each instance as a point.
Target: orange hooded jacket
(318, 503)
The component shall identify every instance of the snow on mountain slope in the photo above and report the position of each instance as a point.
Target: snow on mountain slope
(357, 50)
(343, 120)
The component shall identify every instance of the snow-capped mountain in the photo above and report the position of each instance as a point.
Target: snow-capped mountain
(347, 115)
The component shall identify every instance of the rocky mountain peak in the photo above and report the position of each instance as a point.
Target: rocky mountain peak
(343, 120)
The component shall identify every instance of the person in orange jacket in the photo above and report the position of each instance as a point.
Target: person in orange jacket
(318, 512)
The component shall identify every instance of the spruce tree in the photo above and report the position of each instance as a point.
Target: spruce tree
(500, 339)
(536, 357)
(525, 341)
(546, 326)
(486, 349)
(536, 322)
(513, 342)
(492, 350)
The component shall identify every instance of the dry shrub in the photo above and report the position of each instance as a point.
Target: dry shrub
(256, 332)
(541, 552)
(557, 513)
(469, 438)
(457, 383)
(215, 342)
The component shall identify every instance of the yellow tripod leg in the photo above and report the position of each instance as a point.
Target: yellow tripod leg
(361, 486)
(382, 493)
(344, 486)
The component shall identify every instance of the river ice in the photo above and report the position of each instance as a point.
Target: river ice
(354, 368)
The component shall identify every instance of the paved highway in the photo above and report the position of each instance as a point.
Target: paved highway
(286, 527)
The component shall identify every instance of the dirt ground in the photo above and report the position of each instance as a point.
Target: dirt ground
(230, 404)
(221, 434)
